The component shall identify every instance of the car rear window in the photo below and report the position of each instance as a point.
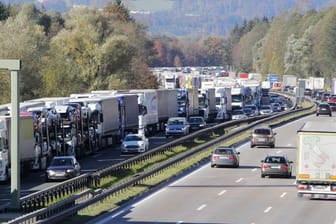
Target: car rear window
(223, 151)
(262, 131)
(275, 160)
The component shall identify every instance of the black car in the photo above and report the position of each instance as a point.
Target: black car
(62, 168)
(196, 122)
(323, 109)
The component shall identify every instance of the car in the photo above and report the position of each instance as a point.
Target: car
(332, 106)
(238, 114)
(262, 136)
(177, 126)
(134, 143)
(276, 165)
(196, 122)
(254, 108)
(307, 92)
(62, 168)
(224, 156)
(323, 109)
(276, 107)
(266, 109)
(248, 111)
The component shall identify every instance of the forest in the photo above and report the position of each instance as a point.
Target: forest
(86, 49)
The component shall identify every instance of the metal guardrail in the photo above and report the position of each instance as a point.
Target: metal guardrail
(58, 211)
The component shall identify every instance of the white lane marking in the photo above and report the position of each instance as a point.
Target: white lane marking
(278, 152)
(254, 169)
(149, 197)
(179, 222)
(221, 193)
(117, 214)
(239, 180)
(268, 209)
(283, 195)
(295, 184)
(201, 207)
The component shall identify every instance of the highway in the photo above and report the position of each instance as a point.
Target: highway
(35, 181)
(232, 195)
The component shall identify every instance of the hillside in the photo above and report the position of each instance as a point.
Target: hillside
(190, 17)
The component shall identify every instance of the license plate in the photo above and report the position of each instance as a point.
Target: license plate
(260, 139)
(275, 167)
(223, 157)
(320, 188)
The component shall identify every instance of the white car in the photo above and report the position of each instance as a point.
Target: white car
(238, 114)
(134, 143)
(266, 109)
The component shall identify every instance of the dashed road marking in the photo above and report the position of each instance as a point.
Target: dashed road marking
(254, 169)
(268, 209)
(239, 180)
(278, 152)
(201, 207)
(221, 193)
(283, 195)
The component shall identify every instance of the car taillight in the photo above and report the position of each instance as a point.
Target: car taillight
(214, 157)
(231, 157)
(265, 166)
(284, 167)
(333, 188)
(302, 187)
(270, 136)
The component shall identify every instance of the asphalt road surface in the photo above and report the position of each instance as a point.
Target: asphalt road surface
(232, 195)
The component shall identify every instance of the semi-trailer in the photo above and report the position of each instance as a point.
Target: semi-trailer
(316, 159)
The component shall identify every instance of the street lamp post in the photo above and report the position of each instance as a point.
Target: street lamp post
(14, 66)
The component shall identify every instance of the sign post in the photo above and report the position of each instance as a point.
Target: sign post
(14, 66)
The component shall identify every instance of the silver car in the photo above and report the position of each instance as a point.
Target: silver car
(262, 136)
(276, 165)
(62, 168)
(224, 156)
(134, 143)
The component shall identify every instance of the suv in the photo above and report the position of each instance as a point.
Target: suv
(177, 126)
(323, 109)
(263, 136)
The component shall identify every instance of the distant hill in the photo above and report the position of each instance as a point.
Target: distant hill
(191, 17)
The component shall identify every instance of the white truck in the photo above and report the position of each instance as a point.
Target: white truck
(28, 154)
(316, 159)
(187, 102)
(223, 103)
(238, 97)
(314, 83)
(207, 103)
(167, 105)
(289, 82)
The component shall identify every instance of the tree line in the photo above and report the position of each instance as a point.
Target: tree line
(87, 49)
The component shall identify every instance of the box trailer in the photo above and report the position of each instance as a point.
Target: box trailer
(316, 159)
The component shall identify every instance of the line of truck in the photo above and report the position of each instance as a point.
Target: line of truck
(87, 122)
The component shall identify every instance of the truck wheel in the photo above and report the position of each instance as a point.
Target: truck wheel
(272, 146)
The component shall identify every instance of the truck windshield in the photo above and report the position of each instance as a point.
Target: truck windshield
(237, 98)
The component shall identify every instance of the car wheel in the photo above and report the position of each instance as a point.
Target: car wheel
(317, 115)
(289, 175)
(329, 115)
(252, 146)
(262, 175)
(213, 165)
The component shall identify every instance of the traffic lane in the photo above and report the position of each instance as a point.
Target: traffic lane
(247, 184)
(35, 181)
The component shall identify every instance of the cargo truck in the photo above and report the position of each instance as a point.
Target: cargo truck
(316, 159)
(187, 102)
(207, 103)
(29, 155)
(167, 105)
(289, 82)
(223, 104)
